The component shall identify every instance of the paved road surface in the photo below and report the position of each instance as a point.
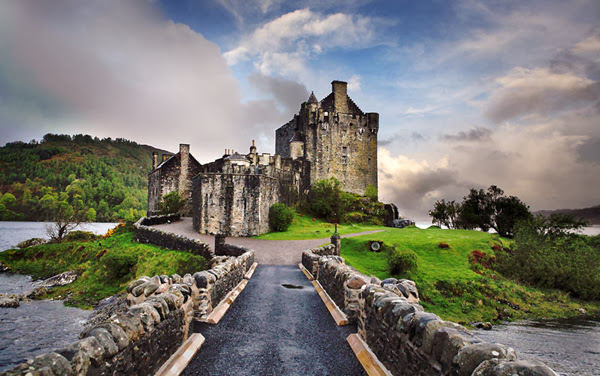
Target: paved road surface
(271, 330)
(268, 252)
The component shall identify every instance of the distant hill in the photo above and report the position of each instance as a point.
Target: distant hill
(591, 215)
(107, 177)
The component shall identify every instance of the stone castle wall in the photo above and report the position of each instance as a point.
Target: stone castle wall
(405, 338)
(235, 199)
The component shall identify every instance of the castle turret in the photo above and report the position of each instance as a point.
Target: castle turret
(253, 155)
(373, 121)
(297, 146)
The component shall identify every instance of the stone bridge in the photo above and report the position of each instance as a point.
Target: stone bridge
(319, 317)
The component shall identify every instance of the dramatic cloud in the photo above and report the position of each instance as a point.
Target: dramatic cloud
(473, 135)
(289, 94)
(539, 91)
(124, 71)
(414, 185)
(282, 45)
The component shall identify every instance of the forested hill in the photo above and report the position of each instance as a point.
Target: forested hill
(591, 215)
(105, 178)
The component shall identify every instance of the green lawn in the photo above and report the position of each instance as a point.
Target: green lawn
(449, 287)
(105, 265)
(307, 227)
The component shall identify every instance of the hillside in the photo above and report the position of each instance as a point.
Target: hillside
(105, 177)
(591, 214)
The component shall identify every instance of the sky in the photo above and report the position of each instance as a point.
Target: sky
(470, 93)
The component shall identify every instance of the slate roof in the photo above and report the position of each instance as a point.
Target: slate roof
(236, 157)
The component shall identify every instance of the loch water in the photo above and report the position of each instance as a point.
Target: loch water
(35, 327)
(569, 346)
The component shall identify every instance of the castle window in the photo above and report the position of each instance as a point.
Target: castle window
(344, 159)
(326, 116)
(344, 154)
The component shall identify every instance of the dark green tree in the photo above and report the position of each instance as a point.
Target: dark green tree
(171, 203)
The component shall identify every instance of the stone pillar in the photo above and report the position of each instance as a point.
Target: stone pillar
(336, 240)
(219, 242)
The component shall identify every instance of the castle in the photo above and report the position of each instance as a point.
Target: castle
(233, 194)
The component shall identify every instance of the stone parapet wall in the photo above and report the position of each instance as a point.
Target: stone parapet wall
(143, 233)
(154, 322)
(405, 338)
(310, 258)
(205, 288)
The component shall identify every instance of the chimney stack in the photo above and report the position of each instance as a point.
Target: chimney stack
(340, 95)
(184, 160)
(154, 160)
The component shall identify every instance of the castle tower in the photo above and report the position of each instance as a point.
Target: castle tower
(336, 137)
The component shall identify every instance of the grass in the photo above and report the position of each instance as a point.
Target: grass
(306, 227)
(447, 284)
(105, 265)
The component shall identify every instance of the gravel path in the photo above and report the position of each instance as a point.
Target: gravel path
(267, 252)
(272, 330)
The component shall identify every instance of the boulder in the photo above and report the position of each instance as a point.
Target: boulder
(496, 367)
(61, 279)
(10, 300)
(470, 357)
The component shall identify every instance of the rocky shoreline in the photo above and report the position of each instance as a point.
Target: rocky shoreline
(42, 287)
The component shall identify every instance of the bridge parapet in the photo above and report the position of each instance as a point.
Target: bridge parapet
(405, 338)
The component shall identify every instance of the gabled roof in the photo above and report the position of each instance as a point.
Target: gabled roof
(328, 104)
(175, 157)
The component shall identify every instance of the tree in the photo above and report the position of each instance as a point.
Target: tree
(475, 211)
(171, 203)
(64, 217)
(445, 213)
(484, 210)
(508, 211)
(326, 200)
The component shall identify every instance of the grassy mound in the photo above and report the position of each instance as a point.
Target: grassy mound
(105, 265)
(305, 226)
(452, 286)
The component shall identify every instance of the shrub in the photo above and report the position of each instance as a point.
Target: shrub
(401, 261)
(443, 245)
(117, 265)
(81, 236)
(371, 192)
(192, 265)
(280, 217)
(547, 255)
